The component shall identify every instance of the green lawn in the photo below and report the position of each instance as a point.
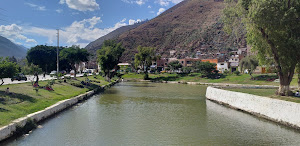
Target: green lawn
(24, 100)
(261, 79)
(266, 93)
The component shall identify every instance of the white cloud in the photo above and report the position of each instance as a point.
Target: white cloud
(62, 1)
(149, 7)
(81, 5)
(78, 33)
(139, 2)
(37, 7)
(59, 10)
(131, 21)
(167, 2)
(15, 33)
(160, 11)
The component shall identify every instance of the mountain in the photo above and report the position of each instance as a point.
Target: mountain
(8, 48)
(188, 27)
(93, 46)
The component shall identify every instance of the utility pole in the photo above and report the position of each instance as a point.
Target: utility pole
(57, 51)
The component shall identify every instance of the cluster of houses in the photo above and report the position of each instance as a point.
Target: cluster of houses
(223, 61)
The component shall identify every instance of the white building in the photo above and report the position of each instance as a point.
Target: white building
(222, 66)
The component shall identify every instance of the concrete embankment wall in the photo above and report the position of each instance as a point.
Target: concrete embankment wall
(8, 130)
(284, 112)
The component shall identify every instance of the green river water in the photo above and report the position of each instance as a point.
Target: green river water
(155, 114)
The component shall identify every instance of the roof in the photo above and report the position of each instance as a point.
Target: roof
(123, 64)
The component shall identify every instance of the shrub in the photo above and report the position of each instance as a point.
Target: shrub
(146, 76)
(77, 85)
(237, 72)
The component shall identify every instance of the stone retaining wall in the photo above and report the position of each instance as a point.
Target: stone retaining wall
(8, 130)
(284, 112)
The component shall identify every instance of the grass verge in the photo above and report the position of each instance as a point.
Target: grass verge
(24, 100)
(266, 93)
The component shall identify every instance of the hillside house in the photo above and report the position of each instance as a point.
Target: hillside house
(222, 66)
(234, 62)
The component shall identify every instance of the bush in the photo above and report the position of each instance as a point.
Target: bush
(237, 72)
(85, 74)
(146, 76)
(77, 85)
(226, 72)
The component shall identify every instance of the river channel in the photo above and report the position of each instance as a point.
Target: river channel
(155, 114)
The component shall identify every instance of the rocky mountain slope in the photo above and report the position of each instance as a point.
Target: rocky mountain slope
(93, 46)
(8, 48)
(187, 27)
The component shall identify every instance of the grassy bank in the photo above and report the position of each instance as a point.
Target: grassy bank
(260, 79)
(266, 93)
(24, 100)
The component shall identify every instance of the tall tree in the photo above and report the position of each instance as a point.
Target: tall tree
(249, 63)
(175, 65)
(205, 68)
(43, 56)
(7, 69)
(273, 30)
(144, 58)
(74, 55)
(108, 57)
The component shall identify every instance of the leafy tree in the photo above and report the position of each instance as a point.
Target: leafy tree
(74, 55)
(144, 58)
(13, 59)
(187, 69)
(7, 69)
(175, 65)
(35, 70)
(205, 68)
(43, 56)
(108, 57)
(250, 63)
(273, 30)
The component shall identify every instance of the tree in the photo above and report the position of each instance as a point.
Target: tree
(7, 69)
(175, 65)
(35, 70)
(74, 55)
(43, 56)
(144, 58)
(187, 69)
(108, 57)
(205, 68)
(250, 63)
(273, 30)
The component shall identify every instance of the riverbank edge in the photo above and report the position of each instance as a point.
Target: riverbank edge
(223, 85)
(279, 111)
(11, 129)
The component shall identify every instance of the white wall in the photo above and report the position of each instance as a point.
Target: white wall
(284, 112)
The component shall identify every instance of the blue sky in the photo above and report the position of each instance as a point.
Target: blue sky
(34, 22)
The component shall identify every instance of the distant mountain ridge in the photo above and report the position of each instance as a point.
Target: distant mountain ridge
(188, 27)
(8, 48)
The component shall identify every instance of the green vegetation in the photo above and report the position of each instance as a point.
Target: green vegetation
(144, 59)
(266, 93)
(108, 57)
(7, 69)
(43, 56)
(175, 65)
(249, 63)
(273, 30)
(23, 99)
(258, 79)
(74, 55)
